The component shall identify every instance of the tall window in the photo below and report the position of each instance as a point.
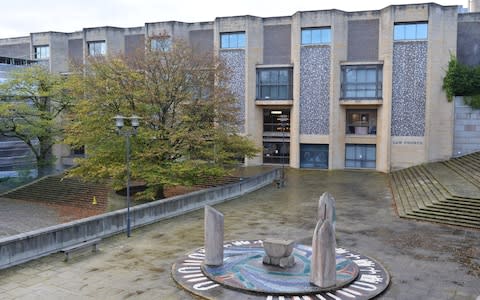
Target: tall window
(232, 40)
(316, 36)
(274, 84)
(362, 82)
(360, 156)
(97, 48)
(410, 31)
(42, 52)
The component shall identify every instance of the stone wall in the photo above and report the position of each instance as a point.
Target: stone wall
(409, 88)
(315, 90)
(466, 137)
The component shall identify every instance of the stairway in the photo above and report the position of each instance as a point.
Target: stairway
(57, 190)
(444, 192)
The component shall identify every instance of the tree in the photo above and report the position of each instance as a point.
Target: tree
(31, 102)
(462, 80)
(189, 119)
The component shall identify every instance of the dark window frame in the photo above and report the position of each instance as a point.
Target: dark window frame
(94, 51)
(361, 121)
(276, 152)
(272, 123)
(271, 86)
(360, 86)
(362, 160)
(314, 156)
(39, 52)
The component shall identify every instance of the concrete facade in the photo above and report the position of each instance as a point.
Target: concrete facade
(407, 122)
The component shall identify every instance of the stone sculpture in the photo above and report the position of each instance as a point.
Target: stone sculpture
(323, 262)
(326, 203)
(213, 236)
(278, 252)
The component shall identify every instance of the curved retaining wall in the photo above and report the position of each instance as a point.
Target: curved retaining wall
(27, 246)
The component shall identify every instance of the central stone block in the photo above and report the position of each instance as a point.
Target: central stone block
(278, 252)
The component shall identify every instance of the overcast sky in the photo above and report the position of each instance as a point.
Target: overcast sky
(21, 17)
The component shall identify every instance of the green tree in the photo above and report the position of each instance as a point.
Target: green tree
(462, 80)
(189, 119)
(31, 102)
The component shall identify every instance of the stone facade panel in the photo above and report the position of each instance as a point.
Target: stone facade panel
(235, 62)
(409, 88)
(315, 90)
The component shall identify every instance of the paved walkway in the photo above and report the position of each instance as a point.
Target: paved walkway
(17, 216)
(426, 261)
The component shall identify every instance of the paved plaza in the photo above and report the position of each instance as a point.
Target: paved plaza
(17, 216)
(425, 261)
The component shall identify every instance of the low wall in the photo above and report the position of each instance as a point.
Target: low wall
(23, 247)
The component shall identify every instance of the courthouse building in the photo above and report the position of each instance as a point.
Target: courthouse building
(324, 89)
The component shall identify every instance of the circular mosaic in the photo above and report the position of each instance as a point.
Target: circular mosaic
(243, 269)
(358, 276)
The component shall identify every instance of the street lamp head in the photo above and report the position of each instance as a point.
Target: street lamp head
(135, 121)
(119, 121)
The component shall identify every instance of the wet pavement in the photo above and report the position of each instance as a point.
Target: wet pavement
(425, 261)
(17, 216)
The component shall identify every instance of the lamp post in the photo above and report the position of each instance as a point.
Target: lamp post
(283, 122)
(134, 123)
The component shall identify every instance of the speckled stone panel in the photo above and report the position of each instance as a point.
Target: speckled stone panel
(315, 90)
(409, 88)
(235, 61)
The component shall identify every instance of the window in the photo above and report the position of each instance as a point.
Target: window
(313, 156)
(362, 82)
(410, 31)
(276, 121)
(97, 48)
(361, 121)
(360, 156)
(275, 84)
(161, 44)
(232, 40)
(42, 52)
(276, 152)
(316, 36)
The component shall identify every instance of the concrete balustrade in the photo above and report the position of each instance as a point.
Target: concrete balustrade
(27, 246)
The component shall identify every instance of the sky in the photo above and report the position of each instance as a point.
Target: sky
(21, 17)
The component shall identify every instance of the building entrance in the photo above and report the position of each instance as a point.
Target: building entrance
(276, 136)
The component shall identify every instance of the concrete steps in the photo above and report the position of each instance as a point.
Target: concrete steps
(419, 194)
(76, 193)
(64, 192)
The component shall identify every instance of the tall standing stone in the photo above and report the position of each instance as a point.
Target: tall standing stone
(326, 208)
(323, 262)
(213, 237)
